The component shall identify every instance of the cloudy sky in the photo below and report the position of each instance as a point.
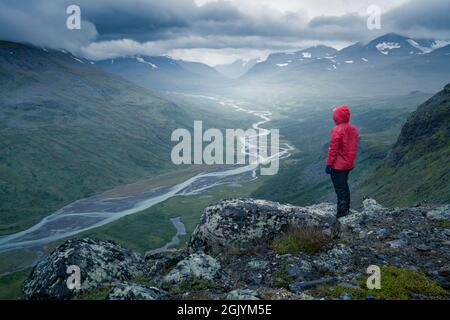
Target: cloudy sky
(213, 31)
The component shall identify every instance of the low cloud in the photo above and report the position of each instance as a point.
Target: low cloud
(112, 28)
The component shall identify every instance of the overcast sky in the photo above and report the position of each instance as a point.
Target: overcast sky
(214, 31)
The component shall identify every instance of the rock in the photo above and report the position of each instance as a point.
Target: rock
(345, 296)
(441, 213)
(197, 265)
(397, 243)
(371, 206)
(300, 269)
(243, 223)
(157, 264)
(304, 296)
(242, 294)
(100, 263)
(349, 285)
(303, 285)
(257, 264)
(423, 248)
(337, 259)
(124, 291)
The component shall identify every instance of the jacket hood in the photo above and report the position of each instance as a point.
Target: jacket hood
(341, 115)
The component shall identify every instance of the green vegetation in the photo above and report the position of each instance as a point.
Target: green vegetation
(77, 131)
(300, 239)
(11, 284)
(417, 169)
(193, 284)
(396, 284)
(281, 277)
(98, 294)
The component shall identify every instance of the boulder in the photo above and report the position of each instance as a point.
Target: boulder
(125, 291)
(242, 223)
(242, 294)
(155, 265)
(100, 263)
(442, 213)
(197, 265)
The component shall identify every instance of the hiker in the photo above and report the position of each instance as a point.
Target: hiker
(341, 157)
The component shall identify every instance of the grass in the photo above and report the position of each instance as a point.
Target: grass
(11, 284)
(151, 228)
(281, 277)
(396, 284)
(194, 284)
(299, 239)
(97, 294)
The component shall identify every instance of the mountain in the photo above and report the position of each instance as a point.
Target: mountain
(198, 68)
(69, 130)
(388, 65)
(248, 249)
(417, 168)
(237, 68)
(162, 72)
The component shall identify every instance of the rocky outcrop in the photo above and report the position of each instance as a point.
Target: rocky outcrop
(197, 265)
(414, 239)
(100, 263)
(243, 223)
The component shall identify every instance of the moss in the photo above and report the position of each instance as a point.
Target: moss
(281, 277)
(444, 224)
(145, 282)
(300, 239)
(97, 294)
(11, 285)
(396, 284)
(193, 284)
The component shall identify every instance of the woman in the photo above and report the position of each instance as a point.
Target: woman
(341, 157)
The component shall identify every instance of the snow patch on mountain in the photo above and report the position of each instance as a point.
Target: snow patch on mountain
(384, 46)
(439, 44)
(76, 59)
(418, 46)
(141, 60)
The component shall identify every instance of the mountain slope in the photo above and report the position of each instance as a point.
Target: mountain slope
(68, 130)
(237, 68)
(388, 65)
(162, 72)
(417, 168)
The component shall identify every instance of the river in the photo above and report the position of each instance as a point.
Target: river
(98, 210)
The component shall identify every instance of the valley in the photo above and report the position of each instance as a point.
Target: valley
(85, 145)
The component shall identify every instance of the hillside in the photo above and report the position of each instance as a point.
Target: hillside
(388, 65)
(417, 168)
(69, 130)
(256, 249)
(163, 73)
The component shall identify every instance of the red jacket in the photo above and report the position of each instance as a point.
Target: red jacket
(343, 142)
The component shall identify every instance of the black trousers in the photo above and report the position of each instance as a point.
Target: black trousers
(340, 183)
